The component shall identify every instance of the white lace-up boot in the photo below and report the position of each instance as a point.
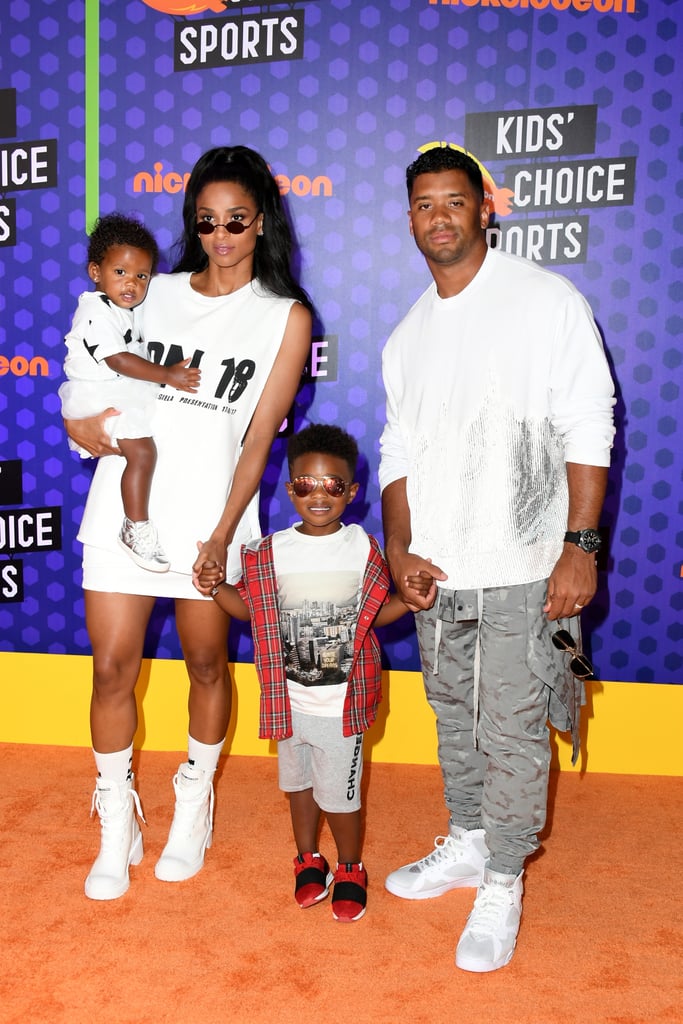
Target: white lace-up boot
(457, 861)
(192, 827)
(490, 934)
(121, 839)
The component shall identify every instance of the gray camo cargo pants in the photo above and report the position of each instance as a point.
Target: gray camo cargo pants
(501, 783)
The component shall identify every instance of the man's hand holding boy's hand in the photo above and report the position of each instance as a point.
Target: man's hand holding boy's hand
(423, 584)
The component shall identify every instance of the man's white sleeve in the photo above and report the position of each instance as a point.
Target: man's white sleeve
(582, 391)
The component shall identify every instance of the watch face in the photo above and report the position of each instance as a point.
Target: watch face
(590, 540)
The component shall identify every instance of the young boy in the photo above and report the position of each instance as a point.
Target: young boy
(106, 367)
(313, 593)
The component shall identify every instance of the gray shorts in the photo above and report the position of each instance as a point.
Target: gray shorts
(318, 756)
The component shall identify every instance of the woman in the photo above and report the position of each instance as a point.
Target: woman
(232, 307)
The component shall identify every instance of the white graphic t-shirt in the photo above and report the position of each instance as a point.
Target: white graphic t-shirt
(319, 586)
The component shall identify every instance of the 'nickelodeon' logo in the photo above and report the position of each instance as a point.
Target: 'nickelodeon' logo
(20, 366)
(172, 182)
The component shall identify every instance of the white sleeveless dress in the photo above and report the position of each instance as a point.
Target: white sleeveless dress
(234, 339)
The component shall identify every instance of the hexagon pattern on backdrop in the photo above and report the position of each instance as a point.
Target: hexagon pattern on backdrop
(376, 80)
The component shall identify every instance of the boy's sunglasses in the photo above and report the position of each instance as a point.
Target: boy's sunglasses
(579, 664)
(305, 485)
(235, 227)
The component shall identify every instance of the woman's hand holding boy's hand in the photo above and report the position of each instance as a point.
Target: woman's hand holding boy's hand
(207, 573)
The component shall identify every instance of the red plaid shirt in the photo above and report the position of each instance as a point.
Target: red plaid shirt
(258, 587)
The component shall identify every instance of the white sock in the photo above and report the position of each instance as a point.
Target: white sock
(117, 766)
(204, 755)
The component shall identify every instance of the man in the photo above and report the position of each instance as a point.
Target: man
(494, 462)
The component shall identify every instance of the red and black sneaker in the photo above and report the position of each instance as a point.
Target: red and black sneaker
(312, 879)
(350, 892)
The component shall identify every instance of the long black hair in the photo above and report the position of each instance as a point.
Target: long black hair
(273, 252)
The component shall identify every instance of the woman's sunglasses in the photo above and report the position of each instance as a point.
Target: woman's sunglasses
(305, 485)
(580, 665)
(235, 227)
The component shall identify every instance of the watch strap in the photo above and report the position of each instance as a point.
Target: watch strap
(588, 539)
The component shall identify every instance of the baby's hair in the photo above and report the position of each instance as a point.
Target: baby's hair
(322, 439)
(116, 229)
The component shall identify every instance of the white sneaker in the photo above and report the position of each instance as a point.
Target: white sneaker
(192, 827)
(490, 934)
(121, 839)
(140, 542)
(457, 861)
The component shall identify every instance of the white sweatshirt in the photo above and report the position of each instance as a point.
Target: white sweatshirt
(489, 393)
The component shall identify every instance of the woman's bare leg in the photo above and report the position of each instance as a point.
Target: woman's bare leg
(116, 626)
(203, 631)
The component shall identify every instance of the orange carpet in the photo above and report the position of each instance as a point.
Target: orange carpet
(601, 939)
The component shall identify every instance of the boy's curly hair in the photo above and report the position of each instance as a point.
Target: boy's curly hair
(325, 440)
(117, 229)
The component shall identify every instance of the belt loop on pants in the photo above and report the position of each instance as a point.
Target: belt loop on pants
(437, 641)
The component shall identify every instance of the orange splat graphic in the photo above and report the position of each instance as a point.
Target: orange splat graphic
(186, 6)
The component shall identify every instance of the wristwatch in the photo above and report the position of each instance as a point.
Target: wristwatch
(587, 540)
